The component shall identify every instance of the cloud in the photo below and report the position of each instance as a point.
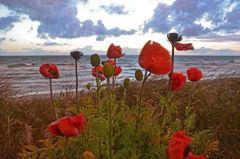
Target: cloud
(2, 39)
(6, 23)
(58, 19)
(53, 44)
(115, 9)
(195, 18)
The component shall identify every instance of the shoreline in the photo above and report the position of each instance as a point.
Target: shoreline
(83, 90)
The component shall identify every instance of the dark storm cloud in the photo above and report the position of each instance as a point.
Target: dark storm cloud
(115, 9)
(6, 23)
(183, 14)
(58, 19)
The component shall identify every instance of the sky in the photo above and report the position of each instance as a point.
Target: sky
(57, 27)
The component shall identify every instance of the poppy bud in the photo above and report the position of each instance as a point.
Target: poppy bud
(126, 82)
(76, 55)
(108, 70)
(88, 86)
(174, 37)
(88, 155)
(138, 75)
(95, 60)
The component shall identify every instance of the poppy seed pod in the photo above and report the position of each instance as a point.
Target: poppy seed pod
(76, 55)
(174, 37)
(108, 70)
(95, 60)
(126, 82)
(138, 75)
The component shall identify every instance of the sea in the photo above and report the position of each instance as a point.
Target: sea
(23, 71)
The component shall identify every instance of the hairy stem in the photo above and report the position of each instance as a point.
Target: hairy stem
(51, 94)
(76, 95)
(171, 73)
(140, 106)
(110, 118)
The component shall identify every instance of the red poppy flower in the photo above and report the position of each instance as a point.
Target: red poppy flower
(178, 81)
(68, 126)
(177, 145)
(194, 74)
(49, 71)
(114, 52)
(117, 70)
(183, 47)
(191, 156)
(155, 58)
(99, 68)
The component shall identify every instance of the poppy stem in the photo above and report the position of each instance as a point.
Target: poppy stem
(98, 109)
(65, 147)
(171, 73)
(140, 106)
(76, 96)
(110, 118)
(114, 77)
(51, 94)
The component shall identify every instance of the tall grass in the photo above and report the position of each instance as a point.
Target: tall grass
(216, 103)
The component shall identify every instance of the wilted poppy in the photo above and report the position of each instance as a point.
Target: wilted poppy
(155, 58)
(174, 37)
(194, 74)
(117, 70)
(49, 71)
(114, 51)
(76, 55)
(177, 145)
(178, 81)
(183, 47)
(68, 126)
(98, 71)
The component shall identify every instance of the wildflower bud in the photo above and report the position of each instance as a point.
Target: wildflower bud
(138, 75)
(126, 82)
(88, 86)
(108, 70)
(95, 60)
(76, 55)
(174, 37)
(88, 155)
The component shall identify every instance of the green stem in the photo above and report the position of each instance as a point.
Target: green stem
(98, 109)
(65, 147)
(110, 118)
(171, 73)
(114, 77)
(140, 106)
(76, 95)
(51, 94)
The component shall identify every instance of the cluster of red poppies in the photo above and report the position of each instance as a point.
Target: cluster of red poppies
(156, 59)
(153, 58)
(113, 52)
(179, 147)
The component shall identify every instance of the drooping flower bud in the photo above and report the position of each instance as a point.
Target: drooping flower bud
(174, 37)
(76, 55)
(88, 86)
(126, 82)
(138, 75)
(95, 60)
(108, 70)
